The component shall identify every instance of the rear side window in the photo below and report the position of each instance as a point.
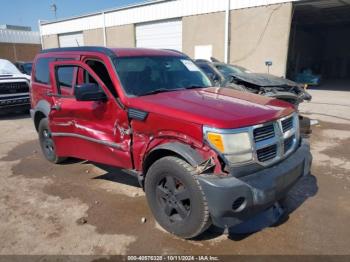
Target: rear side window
(42, 72)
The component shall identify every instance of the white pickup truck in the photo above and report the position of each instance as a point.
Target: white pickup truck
(14, 88)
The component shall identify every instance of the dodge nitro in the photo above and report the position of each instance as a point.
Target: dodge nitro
(204, 155)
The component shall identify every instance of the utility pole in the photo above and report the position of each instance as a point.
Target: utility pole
(227, 32)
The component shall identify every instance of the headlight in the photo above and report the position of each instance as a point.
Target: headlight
(236, 147)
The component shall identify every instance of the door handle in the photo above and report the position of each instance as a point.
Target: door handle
(56, 107)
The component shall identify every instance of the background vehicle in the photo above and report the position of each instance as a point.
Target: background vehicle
(25, 67)
(307, 77)
(242, 79)
(14, 88)
(203, 155)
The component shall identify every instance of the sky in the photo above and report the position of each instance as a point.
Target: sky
(28, 12)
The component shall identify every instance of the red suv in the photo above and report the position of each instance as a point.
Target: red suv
(202, 154)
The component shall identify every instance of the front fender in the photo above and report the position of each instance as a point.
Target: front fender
(177, 148)
(42, 106)
(183, 150)
(42, 109)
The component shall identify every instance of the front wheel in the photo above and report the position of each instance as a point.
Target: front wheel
(176, 198)
(47, 144)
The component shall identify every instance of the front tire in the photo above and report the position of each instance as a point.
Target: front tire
(176, 198)
(47, 144)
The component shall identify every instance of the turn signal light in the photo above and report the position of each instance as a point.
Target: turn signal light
(216, 140)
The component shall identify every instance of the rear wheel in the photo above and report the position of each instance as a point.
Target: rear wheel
(176, 198)
(47, 144)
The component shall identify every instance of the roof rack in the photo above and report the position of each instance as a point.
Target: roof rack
(99, 49)
(175, 51)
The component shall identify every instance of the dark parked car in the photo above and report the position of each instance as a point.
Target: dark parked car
(307, 77)
(242, 79)
(25, 67)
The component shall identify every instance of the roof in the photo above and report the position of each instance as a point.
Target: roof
(122, 52)
(119, 52)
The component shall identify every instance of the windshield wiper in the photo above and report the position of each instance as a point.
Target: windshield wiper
(160, 90)
(194, 87)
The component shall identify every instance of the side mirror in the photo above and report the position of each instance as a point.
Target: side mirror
(89, 92)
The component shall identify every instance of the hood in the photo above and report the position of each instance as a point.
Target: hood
(7, 68)
(215, 107)
(264, 80)
(10, 71)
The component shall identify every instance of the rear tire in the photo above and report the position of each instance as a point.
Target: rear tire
(47, 144)
(176, 198)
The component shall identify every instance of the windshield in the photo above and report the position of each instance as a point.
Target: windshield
(230, 69)
(151, 74)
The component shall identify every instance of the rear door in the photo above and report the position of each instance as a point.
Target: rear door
(92, 130)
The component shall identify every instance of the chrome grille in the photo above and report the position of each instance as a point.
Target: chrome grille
(14, 100)
(287, 124)
(275, 140)
(264, 132)
(13, 88)
(267, 153)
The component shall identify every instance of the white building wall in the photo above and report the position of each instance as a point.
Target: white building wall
(149, 12)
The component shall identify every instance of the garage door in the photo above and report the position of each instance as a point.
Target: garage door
(72, 39)
(164, 34)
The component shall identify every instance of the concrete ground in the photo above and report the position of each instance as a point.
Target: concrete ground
(81, 208)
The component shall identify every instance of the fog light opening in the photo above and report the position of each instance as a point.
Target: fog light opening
(239, 204)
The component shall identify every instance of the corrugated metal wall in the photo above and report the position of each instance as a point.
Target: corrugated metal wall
(20, 37)
(150, 12)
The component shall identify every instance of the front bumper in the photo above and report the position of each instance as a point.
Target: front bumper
(233, 200)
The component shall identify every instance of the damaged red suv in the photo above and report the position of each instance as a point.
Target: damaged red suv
(204, 155)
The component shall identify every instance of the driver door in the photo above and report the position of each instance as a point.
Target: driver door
(91, 130)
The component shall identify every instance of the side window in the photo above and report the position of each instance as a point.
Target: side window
(65, 77)
(101, 70)
(42, 74)
(83, 77)
(88, 78)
